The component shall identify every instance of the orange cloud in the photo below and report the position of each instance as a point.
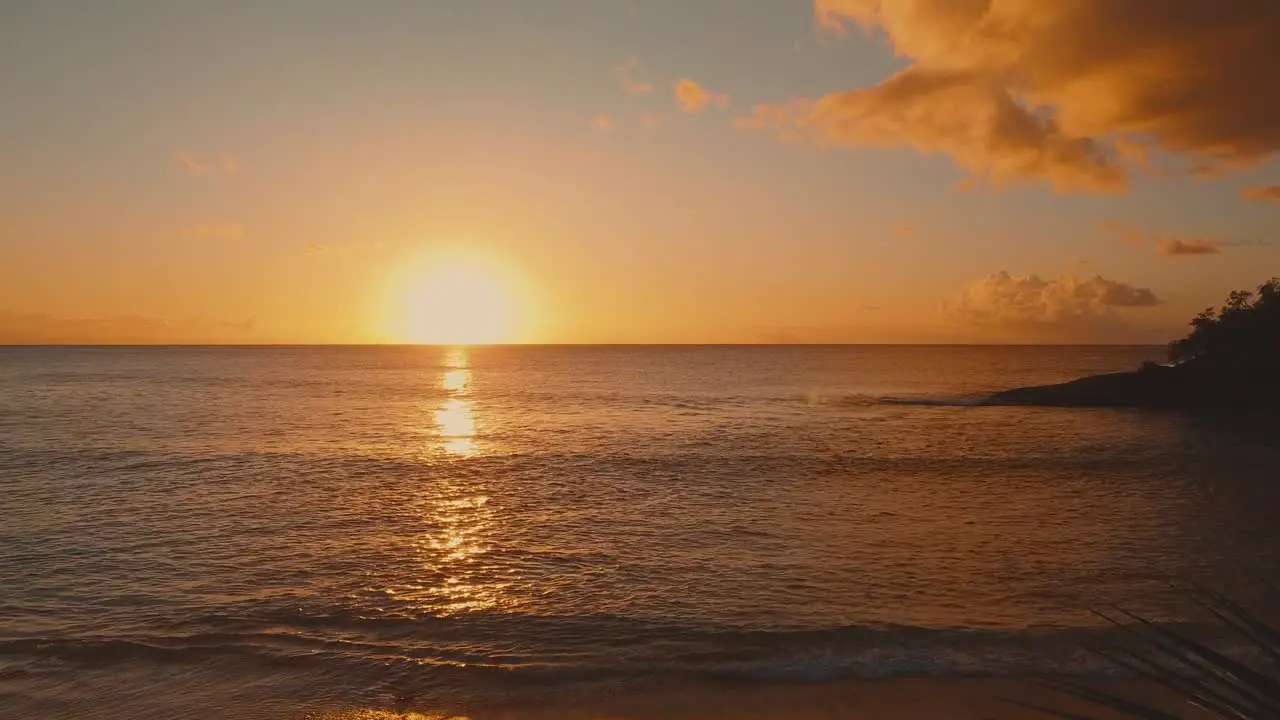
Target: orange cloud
(1263, 193)
(986, 130)
(1069, 93)
(1167, 246)
(603, 123)
(694, 97)
(833, 14)
(626, 76)
(905, 230)
(1063, 308)
(1172, 247)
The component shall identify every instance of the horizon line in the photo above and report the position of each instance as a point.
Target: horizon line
(571, 345)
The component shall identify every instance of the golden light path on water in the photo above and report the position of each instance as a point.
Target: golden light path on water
(370, 714)
(457, 513)
(456, 419)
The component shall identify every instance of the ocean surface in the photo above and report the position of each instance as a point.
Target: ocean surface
(329, 532)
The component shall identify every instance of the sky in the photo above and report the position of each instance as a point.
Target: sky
(637, 171)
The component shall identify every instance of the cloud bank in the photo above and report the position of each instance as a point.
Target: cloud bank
(1057, 309)
(1075, 93)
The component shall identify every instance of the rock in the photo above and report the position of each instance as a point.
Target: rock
(1153, 386)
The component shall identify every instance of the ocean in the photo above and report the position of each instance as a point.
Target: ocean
(330, 532)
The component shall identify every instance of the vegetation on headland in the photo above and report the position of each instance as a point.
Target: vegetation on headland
(1230, 359)
(1243, 335)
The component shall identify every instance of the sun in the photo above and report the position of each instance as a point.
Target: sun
(455, 301)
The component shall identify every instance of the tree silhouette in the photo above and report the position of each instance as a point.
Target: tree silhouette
(1233, 353)
(1246, 329)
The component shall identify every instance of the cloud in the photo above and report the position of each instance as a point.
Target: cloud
(1262, 193)
(980, 125)
(42, 328)
(626, 76)
(693, 98)
(833, 14)
(905, 230)
(1172, 247)
(1076, 94)
(216, 231)
(602, 123)
(1066, 307)
(196, 165)
(1165, 245)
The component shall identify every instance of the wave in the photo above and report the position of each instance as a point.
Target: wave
(798, 656)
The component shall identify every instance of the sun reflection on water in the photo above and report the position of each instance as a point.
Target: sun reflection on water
(375, 714)
(458, 513)
(455, 418)
(456, 380)
(457, 425)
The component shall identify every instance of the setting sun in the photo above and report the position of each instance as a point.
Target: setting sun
(454, 301)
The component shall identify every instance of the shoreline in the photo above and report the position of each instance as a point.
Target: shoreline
(165, 694)
(926, 698)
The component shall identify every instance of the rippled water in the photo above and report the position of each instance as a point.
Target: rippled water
(262, 532)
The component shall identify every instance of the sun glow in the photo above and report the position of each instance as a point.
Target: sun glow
(455, 301)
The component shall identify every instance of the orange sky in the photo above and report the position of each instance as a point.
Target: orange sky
(644, 171)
